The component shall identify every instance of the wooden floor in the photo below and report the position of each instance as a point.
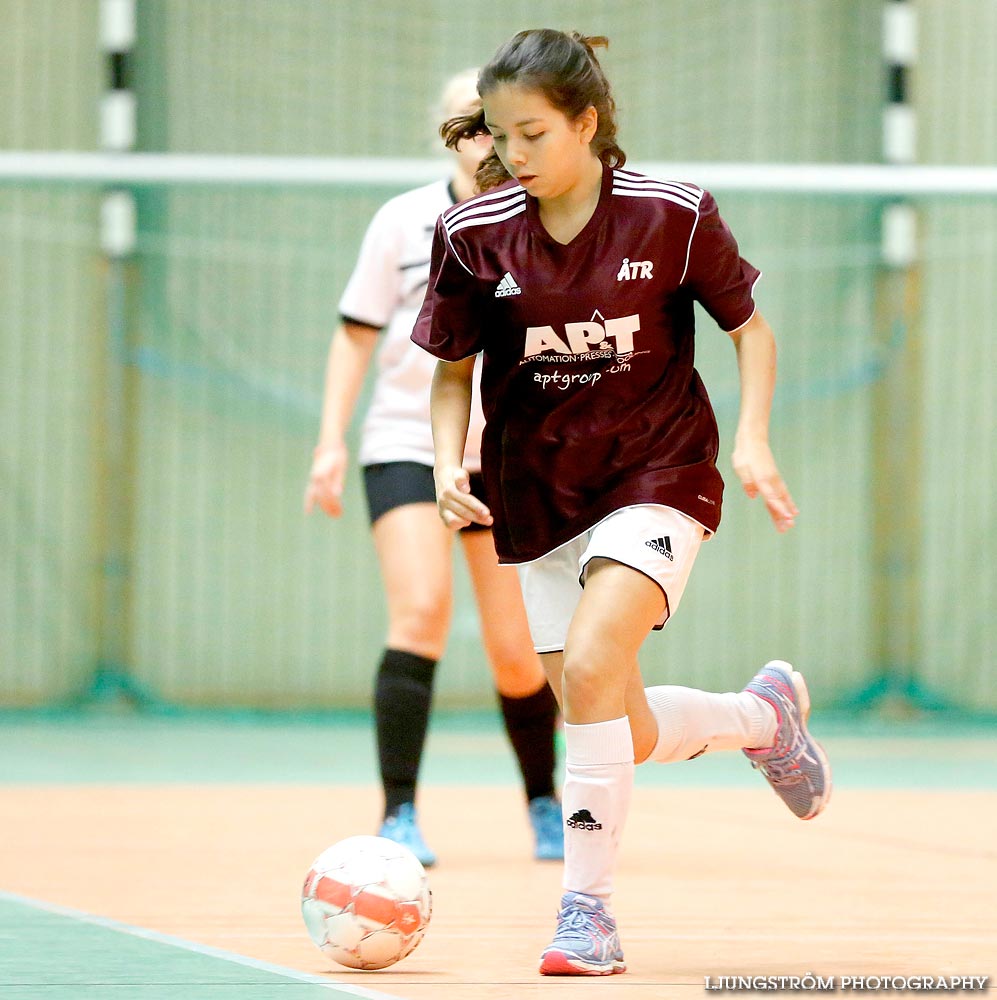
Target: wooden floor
(712, 882)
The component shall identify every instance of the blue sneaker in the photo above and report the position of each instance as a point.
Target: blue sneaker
(795, 766)
(585, 942)
(403, 829)
(548, 828)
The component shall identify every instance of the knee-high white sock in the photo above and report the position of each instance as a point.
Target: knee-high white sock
(692, 722)
(599, 776)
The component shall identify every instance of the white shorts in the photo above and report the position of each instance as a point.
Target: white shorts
(658, 541)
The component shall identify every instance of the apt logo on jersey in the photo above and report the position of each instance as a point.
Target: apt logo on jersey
(507, 286)
(631, 269)
(612, 336)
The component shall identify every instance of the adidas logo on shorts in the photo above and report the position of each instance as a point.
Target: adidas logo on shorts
(663, 546)
(507, 286)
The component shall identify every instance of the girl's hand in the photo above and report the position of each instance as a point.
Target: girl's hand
(457, 506)
(325, 482)
(756, 468)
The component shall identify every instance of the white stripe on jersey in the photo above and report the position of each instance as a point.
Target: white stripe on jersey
(628, 176)
(453, 250)
(631, 185)
(663, 195)
(638, 186)
(688, 249)
(482, 211)
(486, 220)
(647, 184)
(482, 205)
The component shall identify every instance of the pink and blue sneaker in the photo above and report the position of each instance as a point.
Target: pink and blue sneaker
(585, 942)
(795, 765)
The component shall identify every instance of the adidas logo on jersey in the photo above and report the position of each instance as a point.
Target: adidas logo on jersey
(663, 546)
(507, 286)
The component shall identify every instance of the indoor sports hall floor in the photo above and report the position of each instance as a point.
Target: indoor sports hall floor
(158, 858)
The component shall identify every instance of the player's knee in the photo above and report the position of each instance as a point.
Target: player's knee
(513, 657)
(518, 677)
(582, 680)
(421, 624)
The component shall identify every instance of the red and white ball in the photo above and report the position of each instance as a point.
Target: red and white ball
(366, 902)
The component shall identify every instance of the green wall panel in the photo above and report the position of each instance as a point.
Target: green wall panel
(233, 596)
(51, 359)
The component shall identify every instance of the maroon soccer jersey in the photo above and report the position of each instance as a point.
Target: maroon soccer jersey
(590, 396)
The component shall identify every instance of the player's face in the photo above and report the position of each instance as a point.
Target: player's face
(546, 152)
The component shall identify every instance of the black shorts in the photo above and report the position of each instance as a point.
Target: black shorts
(395, 484)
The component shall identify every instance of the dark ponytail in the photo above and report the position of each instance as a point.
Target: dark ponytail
(564, 68)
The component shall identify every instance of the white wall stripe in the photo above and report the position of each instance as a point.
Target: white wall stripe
(899, 33)
(898, 220)
(117, 25)
(182, 169)
(899, 50)
(118, 116)
(898, 239)
(118, 224)
(117, 120)
(899, 133)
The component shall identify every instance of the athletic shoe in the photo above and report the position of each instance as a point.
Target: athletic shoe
(548, 828)
(585, 942)
(795, 766)
(403, 829)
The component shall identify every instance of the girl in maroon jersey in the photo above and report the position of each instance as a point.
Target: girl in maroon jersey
(576, 279)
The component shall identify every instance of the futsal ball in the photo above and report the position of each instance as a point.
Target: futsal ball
(366, 902)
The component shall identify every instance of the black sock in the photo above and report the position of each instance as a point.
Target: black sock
(530, 723)
(403, 693)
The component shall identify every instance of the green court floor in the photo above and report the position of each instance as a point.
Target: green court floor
(55, 953)
(108, 746)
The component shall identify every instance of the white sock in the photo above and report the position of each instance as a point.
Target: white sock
(599, 776)
(692, 722)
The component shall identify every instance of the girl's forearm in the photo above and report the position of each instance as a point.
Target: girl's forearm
(756, 362)
(350, 353)
(450, 404)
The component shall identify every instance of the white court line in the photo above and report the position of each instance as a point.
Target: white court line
(199, 949)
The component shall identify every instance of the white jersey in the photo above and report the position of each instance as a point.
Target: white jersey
(386, 290)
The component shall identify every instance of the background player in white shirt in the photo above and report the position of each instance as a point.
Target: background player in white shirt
(384, 293)
(577, 279)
